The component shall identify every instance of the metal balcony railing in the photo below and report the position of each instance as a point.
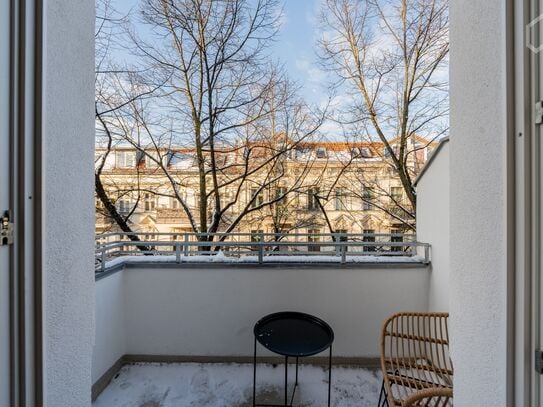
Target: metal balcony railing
(260, 248)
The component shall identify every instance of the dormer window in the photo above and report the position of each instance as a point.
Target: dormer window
(125, 159)
(152, 160)
(365, 152)
(321, 152)
(177, 159)
(395, 149)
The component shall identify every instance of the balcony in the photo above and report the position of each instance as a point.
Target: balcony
(175, 319)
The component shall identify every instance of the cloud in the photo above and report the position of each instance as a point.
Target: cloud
(312, 73)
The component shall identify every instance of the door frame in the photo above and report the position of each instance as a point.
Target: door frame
(526, 282)
(26, 152)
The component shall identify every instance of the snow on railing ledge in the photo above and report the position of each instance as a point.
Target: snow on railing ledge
(113, 249)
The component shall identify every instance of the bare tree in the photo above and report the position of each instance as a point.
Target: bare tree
(109, 34)
(389, 57)
(108, 22)
(219, 92)
(256, 160)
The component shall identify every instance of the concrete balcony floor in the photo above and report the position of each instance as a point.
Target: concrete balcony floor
(229, 385)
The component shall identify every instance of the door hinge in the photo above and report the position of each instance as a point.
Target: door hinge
(539, 112)
(6, 229)
(539, 361)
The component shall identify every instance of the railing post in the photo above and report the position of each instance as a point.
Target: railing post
(186, 245)
(426, 254)
(103, 265)
(343, 254)
(260, 248)
(177, 252)
(336, 238)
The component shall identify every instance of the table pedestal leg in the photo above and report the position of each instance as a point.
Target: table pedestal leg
(286, 381)
(254, 376)
(330, 376)
(296, 370)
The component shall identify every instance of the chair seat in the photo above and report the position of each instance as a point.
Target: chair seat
(415, 360)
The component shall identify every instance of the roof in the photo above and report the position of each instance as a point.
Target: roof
(439, 147)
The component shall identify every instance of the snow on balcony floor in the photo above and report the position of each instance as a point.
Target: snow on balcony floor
(230, 385)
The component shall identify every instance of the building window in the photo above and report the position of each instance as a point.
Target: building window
(367, 198)
(256, 235)
(396, 193)
(355, 152)
(313, 237)
(179, 160)
(339, 201)
(365, 152)
(312, 203)
(395, 149)
(123, 205)
(321, 152)
(152, 160)
(257, 197)
(342, 236)
(369, 236)
(149, 201)
(396, 239)
(174, 203)
(125, 159)
(280, 194)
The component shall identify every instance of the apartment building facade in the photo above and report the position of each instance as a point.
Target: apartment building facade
(310, 187)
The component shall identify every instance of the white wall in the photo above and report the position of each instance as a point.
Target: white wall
(110, 343)
(433, 215)
(478, 201)
(212, 311)
(68, 201)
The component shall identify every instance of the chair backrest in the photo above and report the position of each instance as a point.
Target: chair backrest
(415, 354)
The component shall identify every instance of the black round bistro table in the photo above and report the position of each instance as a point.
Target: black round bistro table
(293, 334)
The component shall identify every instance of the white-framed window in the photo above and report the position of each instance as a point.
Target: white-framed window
(313, 236)
(312, 194)
(368, 196)
(152, 160)
(257, 197)
(339, 199)
(365, 152)
(124, 205)
(396, 193)
(280, 193)
(395, 149)
(396, 239)
(369, 236)
(125, 159)
(149, 201)
(256, 235)
(178, 159)
(355, 152)
(321, 152)
(174, 203)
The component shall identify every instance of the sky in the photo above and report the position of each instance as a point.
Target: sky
(294, 47)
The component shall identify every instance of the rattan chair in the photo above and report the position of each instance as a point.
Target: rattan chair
(417, 370)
